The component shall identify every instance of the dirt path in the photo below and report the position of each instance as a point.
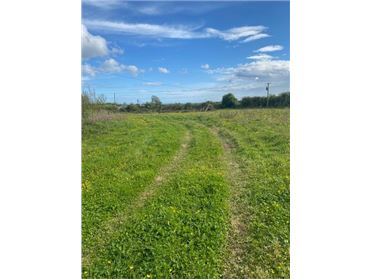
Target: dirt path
(236, 243)
(111, 226)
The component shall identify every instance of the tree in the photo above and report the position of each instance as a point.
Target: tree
(284, 99)
(155, 99)
(246, 102)
(229, 101)
(155, 103)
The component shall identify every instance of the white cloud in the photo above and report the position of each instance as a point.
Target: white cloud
(261, 56)
(96, 46)
(110, 66)
(248, 79)
(205, 66)
(92, 46)
(143, 29)
(117, 51)
(244, 33)
(133, 70)
(163, 70)
(269, 48)
(152, 83)
(236, 33)
(268, 70)
(88, 70)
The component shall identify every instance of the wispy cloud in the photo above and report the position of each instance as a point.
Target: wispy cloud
(261, 56)
(155, 83)
(163, 8)
(236, 33)
(256, 37)
(153, 8)
(205, 66)
(149, 10)
(270, 48)
(105, 4)
(143, 29)
(163, 70)
(244, 33)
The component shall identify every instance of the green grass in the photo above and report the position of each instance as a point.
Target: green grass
(120, 158)
(262, 149)
(181, 231)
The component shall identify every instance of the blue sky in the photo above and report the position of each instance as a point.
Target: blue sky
(184, 51)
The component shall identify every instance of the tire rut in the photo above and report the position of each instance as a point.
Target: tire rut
(111, 226)
(234, 266)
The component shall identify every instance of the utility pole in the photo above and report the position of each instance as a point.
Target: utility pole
(114, 98)
(268, 92)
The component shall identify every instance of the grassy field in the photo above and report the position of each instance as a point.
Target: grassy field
(187, 195)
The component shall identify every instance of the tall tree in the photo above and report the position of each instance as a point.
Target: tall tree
(229, 101)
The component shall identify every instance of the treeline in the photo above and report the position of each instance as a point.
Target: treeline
(228, 101)
(91, 103)
(275, 101)
(179, 107)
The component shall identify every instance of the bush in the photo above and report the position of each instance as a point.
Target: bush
(91, 105)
